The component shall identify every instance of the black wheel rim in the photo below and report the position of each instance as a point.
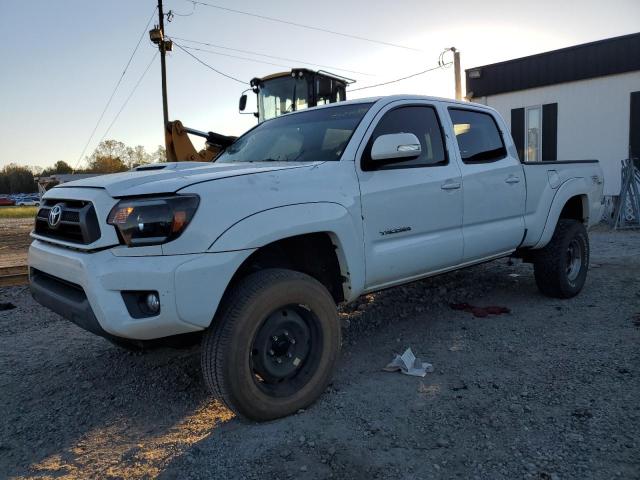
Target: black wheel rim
(286, 350)
(574, 260)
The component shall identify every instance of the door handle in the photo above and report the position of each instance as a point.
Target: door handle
(512, 179)
(450, 185)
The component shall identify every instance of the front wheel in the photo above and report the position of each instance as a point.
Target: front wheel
(560, 268)
(274, 345)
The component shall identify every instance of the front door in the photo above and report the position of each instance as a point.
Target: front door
(412, 209)
(494, 186)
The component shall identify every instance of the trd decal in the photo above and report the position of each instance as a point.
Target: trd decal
(395, 230)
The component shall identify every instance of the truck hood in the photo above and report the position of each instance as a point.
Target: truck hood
(161, 178)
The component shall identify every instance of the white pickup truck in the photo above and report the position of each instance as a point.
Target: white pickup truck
(252, 253)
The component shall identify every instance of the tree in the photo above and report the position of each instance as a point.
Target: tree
(60, 167)
(108, 157)
(111, 148)
(103, 164)
(160, 155)
(137, 156)
(16, 179)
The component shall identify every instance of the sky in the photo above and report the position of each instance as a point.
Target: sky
(61, 59)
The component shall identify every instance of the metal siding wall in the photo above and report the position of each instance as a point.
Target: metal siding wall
(593, 119)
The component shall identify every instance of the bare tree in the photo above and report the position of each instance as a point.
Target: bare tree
(137, 156)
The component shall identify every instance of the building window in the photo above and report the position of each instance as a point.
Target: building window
(535, 132)
(533, 137)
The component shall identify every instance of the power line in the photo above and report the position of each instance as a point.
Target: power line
(402, 78)
(129, 97)
(236, 56)
(209, 66)
(269, 56)
(115, 89)
(301, 25)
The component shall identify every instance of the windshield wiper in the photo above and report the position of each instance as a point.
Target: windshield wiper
(295, 159)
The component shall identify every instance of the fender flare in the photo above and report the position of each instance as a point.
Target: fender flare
(574, 187)
(273, 224)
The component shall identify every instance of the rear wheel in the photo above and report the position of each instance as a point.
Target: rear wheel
(560, 267)
(273, 347)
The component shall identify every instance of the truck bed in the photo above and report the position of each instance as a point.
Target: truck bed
(546, 181)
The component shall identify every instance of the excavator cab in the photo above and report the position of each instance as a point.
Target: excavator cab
(298, 89)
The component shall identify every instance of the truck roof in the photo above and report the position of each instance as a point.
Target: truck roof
(391, 98)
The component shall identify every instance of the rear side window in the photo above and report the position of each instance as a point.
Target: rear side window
(478, 136)
(423, 123)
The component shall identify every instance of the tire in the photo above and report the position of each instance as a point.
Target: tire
(251, 359)
(560, 268)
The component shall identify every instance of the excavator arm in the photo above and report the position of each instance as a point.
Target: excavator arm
(180, 148)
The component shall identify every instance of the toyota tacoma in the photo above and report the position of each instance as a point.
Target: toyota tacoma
(251, 253)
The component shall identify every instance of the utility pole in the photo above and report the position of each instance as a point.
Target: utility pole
(163, 65)
(156, 34)
(457, 73)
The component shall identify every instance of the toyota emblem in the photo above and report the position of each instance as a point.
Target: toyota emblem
(55, 215)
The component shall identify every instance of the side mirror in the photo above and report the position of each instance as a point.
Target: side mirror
(243, 102)
(395, 146)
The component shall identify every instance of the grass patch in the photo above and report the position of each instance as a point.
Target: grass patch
(18, 212)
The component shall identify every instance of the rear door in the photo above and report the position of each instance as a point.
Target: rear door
(493, 183)
(412, 210)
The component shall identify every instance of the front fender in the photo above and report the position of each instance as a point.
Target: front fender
(267, 226)
(571, 188)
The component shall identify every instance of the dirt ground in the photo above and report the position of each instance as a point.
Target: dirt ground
(549, 391)
(14, 241)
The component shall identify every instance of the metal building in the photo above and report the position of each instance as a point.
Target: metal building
(580, 102)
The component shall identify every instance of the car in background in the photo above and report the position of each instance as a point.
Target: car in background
(6, 202)
(28, 201)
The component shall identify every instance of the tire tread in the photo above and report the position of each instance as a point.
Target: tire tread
(547, 267)
(219, 335)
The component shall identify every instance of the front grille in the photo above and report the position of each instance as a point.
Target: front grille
(78, 221)
(71, 216)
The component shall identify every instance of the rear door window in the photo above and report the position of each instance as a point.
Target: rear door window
(478, 136)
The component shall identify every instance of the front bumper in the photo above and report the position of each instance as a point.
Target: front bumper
(66, 299)
(86, 288)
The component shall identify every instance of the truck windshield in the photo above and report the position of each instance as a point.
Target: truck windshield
(310, 136)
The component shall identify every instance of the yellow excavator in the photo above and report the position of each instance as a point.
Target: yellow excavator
(180, 148)
(276, 95)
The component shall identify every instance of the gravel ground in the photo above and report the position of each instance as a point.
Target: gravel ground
(549, 391)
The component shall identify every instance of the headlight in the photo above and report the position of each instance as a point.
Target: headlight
(152, 221)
